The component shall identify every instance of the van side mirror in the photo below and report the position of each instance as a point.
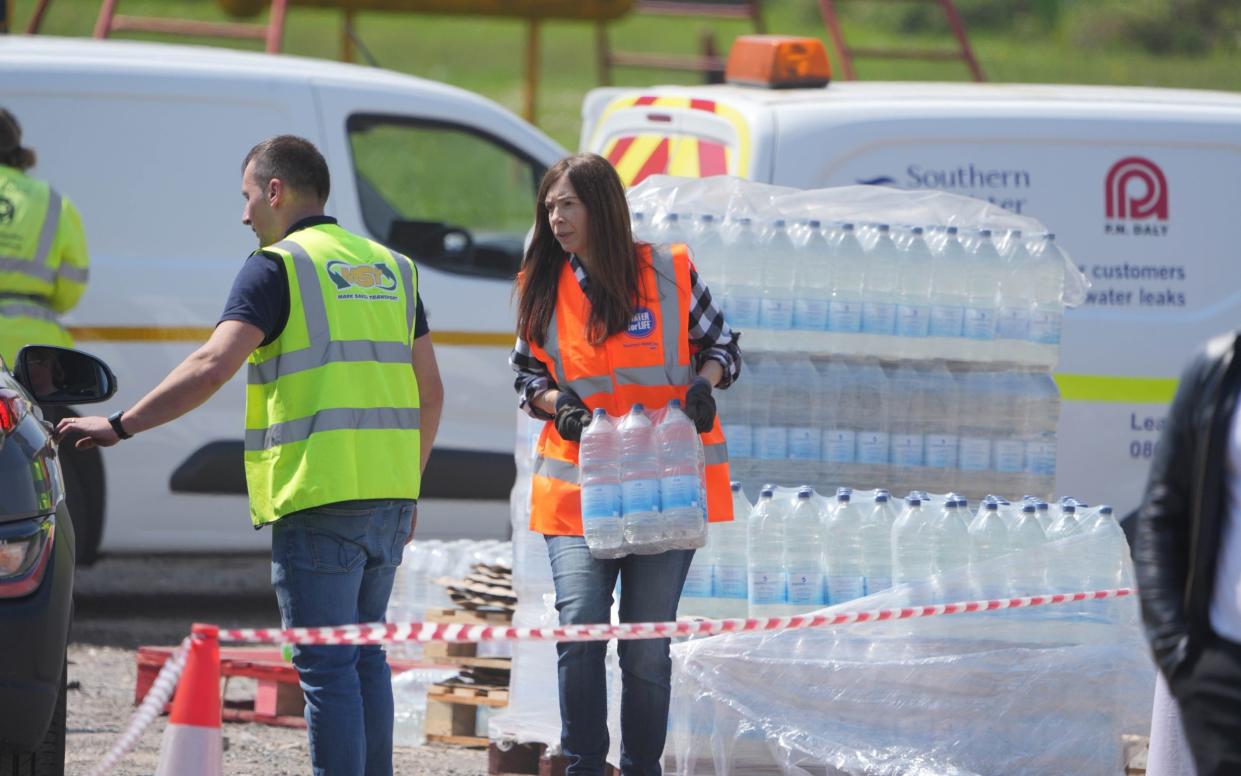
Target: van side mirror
(63, 376)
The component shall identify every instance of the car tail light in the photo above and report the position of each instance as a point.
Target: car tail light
(25, 549)
(12, 409)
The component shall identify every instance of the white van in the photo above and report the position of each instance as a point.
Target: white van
(148, 140)
(1140, 186)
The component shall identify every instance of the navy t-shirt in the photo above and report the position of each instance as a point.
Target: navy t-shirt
(260, 294)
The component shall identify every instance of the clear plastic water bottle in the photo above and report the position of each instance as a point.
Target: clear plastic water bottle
(948, 294)
(913, 314)
(843, 550)
(773, 405)
(600, 467)
(814, 283)
(913, 536)
(640, 483)
(671, 229)
(768, 584)
(848, 282)
(952, 538)
(1065, 525)
(977, 421)
(803, 554)
(1016, 298)
(697, 594)
(982, 286)
(839, 418)
(881, 291)
(1048, 309)
(905, 416)
(743, 276)
(681, 477)
(1045, 517)
(988, 541)
(1109, 565)
(708, 249)
(1043, 402)
(876, 533)
(1008, 433)
(800, 415)
(779, 279)
(873, 442)
(639, 223)
(730, 558)
(1027, 575)
(941, 406)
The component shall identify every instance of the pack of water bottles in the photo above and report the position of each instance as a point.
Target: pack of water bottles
(643, 483)
(868, 270)
(795, 551)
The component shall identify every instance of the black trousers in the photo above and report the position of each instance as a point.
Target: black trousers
(1210, 699)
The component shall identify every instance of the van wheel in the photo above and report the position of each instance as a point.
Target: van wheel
(84, 491)
(49, 758)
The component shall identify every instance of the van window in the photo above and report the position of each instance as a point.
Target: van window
(446, 195)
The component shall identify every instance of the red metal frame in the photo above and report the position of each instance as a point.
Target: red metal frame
(964, 51)
(272, 33)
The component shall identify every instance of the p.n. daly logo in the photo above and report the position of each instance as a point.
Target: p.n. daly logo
(1136, 198)
(362, 281)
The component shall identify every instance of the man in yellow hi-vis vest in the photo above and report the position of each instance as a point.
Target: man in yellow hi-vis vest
(43, 261)
(338, 430)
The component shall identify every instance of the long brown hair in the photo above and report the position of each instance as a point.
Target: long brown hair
(615, 284)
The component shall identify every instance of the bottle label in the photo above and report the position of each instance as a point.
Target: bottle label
(907, 449)
(640, 496)
(776, 314)
(844, 316)
(1013, 323)
(601, 501)
(806, 587)
(1010, 455)
(1041, 458)
(941, 451)
(1045, 327)
(739, 439)
(845, 588)
(697, 582)
(979, 323)
(975, 454)
(742, 311)
(810, 314)
(872, 447)
(947, 320)
(680, 492)
(913, 320)
(804, 443)
(840, 445)
(878, 317)
(773, 443)
(730, 581)
(767, 586)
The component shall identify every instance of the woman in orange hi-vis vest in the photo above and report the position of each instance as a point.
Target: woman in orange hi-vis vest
(604, 322)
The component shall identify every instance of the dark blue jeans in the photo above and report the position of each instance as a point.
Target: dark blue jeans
(334, 565)
(650, 589)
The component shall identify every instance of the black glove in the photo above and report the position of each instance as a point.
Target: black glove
(700, 405)
(571, 417)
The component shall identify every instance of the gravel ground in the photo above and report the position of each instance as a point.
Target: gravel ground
(125, 602)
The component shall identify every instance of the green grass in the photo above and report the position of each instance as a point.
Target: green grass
(486, 55)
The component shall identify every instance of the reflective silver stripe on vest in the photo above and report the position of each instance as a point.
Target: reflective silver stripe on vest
(406, 268)
(27, 310)
(37, 266)
(74, 274)
(313, 307)
(670, 310)
(290, 431)
(551, 343)
(715, 453)
(320, 354)
(555, 469)
(588, 386)
(642, 375)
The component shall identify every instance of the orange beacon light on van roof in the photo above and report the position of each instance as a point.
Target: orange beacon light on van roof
(778, 62)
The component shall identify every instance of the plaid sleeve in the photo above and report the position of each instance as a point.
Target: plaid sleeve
(532, 379)
(710, 333)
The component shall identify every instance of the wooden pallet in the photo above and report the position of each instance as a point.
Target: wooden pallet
(452, 707)
(278, 696)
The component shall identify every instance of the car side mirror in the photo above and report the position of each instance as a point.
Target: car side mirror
(55, 375)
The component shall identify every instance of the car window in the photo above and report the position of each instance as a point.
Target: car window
(447, 195)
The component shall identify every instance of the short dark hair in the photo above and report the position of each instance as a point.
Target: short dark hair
(12, 153)
(292, 159)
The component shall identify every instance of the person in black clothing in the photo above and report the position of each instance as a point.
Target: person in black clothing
(1188, 555)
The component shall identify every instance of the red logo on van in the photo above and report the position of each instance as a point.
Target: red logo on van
(1136, 190)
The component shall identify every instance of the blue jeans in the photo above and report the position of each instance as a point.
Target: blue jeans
(650, 589)
(334, 565)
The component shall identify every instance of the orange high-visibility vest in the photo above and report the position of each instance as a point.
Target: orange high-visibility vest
(649, 363)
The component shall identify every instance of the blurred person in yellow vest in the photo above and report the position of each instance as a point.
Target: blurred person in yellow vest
(43, 260)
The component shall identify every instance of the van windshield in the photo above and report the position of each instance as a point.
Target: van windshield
(446, 195)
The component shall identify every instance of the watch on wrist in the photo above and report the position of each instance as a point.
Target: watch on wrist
(115, 420)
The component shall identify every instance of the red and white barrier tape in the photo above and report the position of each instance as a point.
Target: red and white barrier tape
(383, 633)
(152, 706)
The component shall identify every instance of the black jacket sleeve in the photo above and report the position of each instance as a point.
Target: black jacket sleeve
(1162, 547)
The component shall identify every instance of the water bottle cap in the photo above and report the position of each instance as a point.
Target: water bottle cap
(1042, 505)
(916, 230)
(672, 217)
(804, 494)
(1105, 510)
(844, 498)
(599, 411)
(881, 498)
(1014, 233)
(1050, 237)
(843, 489)
(778, 223)
(913, 500)
(963, 503)
(846, 227)
(744, 220)
(637, 409)
(766, 493)
(991, 506)
(707, 217)
(1027, 509)
(951, 230)
(735, 486)
(1068, 509)
(984, 233)
(814, 223)
(675, 403)
(884, 491)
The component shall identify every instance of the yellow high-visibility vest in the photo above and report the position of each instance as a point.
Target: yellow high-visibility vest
(332, 403)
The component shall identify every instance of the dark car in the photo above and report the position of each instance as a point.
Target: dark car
(37, 551)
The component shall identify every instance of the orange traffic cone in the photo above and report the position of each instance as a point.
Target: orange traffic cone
(192, 744)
